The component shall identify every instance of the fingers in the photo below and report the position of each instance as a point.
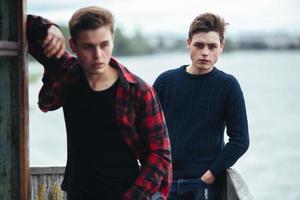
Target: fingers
(61, 51)
(54, 44)
(50, 45)
(48, 39)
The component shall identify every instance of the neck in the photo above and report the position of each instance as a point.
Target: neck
(102, 81)
(196, 71)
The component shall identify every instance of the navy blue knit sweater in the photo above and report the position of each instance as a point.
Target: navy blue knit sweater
(197, 109)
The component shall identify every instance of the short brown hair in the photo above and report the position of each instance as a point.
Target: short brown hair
(90, 18)
(208, 22)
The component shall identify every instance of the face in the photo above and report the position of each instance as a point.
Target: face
(205, 49)
(94, 50)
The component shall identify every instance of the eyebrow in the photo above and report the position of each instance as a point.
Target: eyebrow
(92, 44)
(205, 43)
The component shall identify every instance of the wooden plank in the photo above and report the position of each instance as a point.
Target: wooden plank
(5, 134)
(47, 170)
(23, 102)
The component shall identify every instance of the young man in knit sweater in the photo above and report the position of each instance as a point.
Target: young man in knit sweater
(113, 118)
(199, 101)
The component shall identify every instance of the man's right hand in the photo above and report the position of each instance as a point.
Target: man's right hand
(55, 42)
(208, 177)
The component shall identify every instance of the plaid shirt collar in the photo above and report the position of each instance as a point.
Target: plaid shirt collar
(125, 76)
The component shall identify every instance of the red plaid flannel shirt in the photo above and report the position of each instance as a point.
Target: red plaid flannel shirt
(139, 113)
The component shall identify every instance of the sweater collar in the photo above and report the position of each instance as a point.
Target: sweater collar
(198, 76)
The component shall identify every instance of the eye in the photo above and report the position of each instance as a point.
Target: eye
(212, 46)
(87, 47)
(105, 44)
(199, 45)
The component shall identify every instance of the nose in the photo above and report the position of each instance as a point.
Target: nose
(204, 51)
(97, 52)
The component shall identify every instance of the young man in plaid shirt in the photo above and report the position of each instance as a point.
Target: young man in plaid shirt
(113, 118)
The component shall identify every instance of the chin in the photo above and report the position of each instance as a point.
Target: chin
(201, 67)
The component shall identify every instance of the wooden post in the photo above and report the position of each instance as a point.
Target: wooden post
(14, 161)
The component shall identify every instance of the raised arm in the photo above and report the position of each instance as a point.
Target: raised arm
(47, 45)
(46, 42)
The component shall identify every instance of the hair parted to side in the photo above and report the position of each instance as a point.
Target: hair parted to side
(90, 18)
(208, 22)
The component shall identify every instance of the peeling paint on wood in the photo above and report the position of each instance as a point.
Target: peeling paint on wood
(14, 176)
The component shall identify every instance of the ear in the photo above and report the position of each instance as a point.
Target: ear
(72, 45)
(113, 39)
(222, 45)
(113, 36)
(188, 43)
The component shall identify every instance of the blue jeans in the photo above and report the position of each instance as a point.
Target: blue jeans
(194, 189)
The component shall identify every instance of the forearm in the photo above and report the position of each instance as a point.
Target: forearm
(36, 32)
(236, 146)
(36, 27)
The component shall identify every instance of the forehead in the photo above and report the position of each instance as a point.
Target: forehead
(95, 36)
(206, 37)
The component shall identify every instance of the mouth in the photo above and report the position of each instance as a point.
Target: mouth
(98, 65)
(203, 61)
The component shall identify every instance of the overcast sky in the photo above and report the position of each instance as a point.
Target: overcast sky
(174, 16)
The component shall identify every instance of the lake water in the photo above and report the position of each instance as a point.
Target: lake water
(271, 84)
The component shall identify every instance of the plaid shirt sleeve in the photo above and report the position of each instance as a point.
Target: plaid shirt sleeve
(156, 171)
(58, 73)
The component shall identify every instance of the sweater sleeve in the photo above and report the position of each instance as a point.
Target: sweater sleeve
(158, 86)
(237, 130)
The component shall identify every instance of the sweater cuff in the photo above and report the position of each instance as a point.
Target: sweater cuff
(216, 171)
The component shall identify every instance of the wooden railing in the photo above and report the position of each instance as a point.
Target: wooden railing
(45, 184)
(236, 187)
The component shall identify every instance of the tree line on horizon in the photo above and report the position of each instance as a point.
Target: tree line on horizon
(140, 44)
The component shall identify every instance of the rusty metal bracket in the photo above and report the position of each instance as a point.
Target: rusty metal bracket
(9, 48)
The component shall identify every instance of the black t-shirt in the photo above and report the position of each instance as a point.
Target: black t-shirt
(100, 163)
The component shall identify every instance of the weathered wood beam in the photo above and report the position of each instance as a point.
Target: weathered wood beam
(14, 161)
